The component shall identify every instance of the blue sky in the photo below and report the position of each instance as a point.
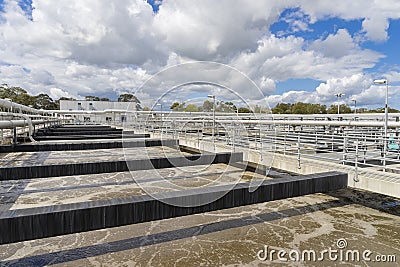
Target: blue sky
(328, 26)
(294, 51)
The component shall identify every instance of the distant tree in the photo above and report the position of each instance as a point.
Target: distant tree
(174, 105)
(191, 108)
(231, 107)
(282, 108)
(222, 106)
(16, 94)
(244, 110)
(65, 98)
(259, 109)
(344, 109)
(316, 109)
(11, 92)
(178, 106)
(299, 108)
(207, 106)
(44, 101)
(104, 99)
(130, 98)
(92, 98)
(307, 108)
(381, 110)
(146, 109)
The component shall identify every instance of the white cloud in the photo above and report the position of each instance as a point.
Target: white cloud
(288, 57)
(292, 97)
(57, 93)
(375, 13)
(105, 47)
(338, 45)
(375, 96)
(350, 85)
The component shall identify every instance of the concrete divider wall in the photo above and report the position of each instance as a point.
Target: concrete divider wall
(26, 224)
(43, 171)
(32, 147)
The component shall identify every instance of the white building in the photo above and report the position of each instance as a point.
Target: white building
(74, 105)
(97, 111)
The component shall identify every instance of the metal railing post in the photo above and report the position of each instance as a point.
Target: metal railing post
(298, 153)
(356, 164)
(344, 159)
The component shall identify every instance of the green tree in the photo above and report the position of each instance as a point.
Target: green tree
(316, 109)
(299, 108)
(44, 101)
(208, 106)
(130, 98)
(191, 108)
(174, 105)
(17, 95)
(344, 109)
(307, 108)
(92, 98)
(244, 110)
(231, 107)
(178, 106)
(381, 110)
(225, 107)
(282, 108)
(104, 99)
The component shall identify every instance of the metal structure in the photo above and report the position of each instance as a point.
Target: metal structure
(358, 140)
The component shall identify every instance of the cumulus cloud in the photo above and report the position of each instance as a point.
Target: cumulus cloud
(350, 85)
(293, 97)
(336, 45)
(85, 47)
(57, 93)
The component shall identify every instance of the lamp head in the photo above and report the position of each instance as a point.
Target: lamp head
(382, 81)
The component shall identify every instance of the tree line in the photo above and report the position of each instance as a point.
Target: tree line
(281, 108)
(44, 101)
(309, 108)
(220, 106)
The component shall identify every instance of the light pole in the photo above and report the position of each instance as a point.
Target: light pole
(379, 82)
(213, 128)
(355, 105)
(338, 105)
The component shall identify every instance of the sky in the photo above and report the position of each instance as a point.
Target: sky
(257, 52)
